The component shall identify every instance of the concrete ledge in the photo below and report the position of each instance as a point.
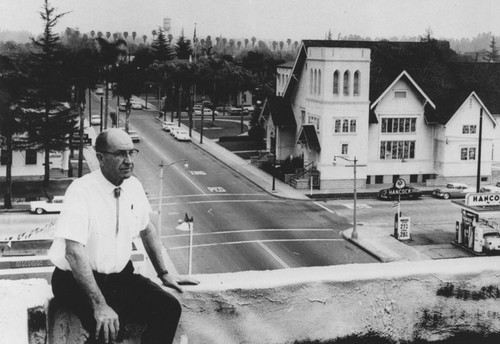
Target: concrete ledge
(429, 300)
(404, 301)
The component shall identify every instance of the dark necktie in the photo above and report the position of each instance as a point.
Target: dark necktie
(117, 192)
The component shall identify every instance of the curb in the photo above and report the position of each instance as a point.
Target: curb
(370, 249)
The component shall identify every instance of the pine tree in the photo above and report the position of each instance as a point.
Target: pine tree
(183, 48)
(492, 55)
(162, 50)
(50, 121)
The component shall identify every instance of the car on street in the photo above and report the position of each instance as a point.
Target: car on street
(182, 135)
(95, 119)
(407, 192)
(248, 108)
(53, 205)
(136, 105)
(168, 126)
(99, 91)
(206, 112)
(134, 135)
(490, 189)
(453, 190)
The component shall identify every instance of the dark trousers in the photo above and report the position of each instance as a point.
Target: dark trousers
(132, 296)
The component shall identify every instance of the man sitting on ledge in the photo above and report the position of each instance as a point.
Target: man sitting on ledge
(103, 211)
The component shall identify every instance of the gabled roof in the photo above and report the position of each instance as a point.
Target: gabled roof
(485, 109)
(280, 111)
(309, 137)
(434, 68)
(412, 82)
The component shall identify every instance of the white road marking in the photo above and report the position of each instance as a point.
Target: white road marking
(322, 206)
(252, 242)
(218, 189)
(358, 206)
(274, 255)
(208, 195)
(257, 230)
(226, 201)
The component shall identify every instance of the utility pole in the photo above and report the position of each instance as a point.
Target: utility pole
(478, 180)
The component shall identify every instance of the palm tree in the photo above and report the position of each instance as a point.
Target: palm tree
(115, 36)
(253, 41)
(144, 38)
(288, 42)
(246, 42)
(295, 44)
(108, 34)
(217, 42)
(281, 46)
(125, 35)
(275, 44)
(224, 42)
(92, 33)
(238, 45)
(134, 35)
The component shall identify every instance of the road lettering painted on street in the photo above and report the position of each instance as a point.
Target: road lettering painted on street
(217, 189)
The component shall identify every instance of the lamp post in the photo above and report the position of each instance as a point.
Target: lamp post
(162, 168)
(354, 234)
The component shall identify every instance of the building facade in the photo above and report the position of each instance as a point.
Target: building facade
(403, 117)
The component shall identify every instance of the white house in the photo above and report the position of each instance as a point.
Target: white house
(391, 107)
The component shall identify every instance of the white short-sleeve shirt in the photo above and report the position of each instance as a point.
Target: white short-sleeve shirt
(89, 217)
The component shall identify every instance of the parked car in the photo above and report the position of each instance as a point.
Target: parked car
(53, 205)
(453, 190)
(491, 241)
(182, 135)
(407, 192)
(490, 189)
(134, 135)
(168, 126)
(248, 108)
(174, 131)
(136, 105)
(95, 119)
(99, 91)
(122, 107)
(206, 112)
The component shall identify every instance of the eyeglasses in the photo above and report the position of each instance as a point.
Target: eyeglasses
(132, 153)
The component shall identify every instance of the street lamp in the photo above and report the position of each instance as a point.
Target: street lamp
(354, 234)
(162, 168)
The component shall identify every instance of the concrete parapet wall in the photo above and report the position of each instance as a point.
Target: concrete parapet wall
(430, 300)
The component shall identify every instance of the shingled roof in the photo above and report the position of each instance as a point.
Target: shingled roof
(433, 66)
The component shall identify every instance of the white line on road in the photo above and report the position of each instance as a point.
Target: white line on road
(274, 255)
(210, 195)
(322, 206)
(227, 201)
(254, 242)
(254, 231)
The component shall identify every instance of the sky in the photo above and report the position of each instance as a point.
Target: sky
(265, 19)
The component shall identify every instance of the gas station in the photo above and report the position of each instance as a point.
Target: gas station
(479, 229)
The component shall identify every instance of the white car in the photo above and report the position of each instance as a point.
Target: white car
(53, 205)
(122, 107)
(182, 135)
(248, 108)
(136, 105)
(206, 112)
(168, 126)
(99, 91)
(134, 135)
(95, 119)
(174, 131)
(453, 190)
(491, 241)
(489, 189)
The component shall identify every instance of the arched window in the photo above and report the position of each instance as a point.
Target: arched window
(311, 82)
(336, 82)
(346, 83)
(356, 83)
(315, 81)
(319, 81)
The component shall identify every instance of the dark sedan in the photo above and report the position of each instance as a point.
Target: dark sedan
(408, 192)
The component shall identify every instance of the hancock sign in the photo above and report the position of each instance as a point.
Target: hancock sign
(482, 199)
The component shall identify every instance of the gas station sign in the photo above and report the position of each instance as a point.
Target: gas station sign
(482, 199)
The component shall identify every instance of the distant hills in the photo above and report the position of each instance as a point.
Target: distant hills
(16, 36)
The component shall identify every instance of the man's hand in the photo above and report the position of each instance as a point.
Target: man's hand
(171, 282)
(107, 320)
